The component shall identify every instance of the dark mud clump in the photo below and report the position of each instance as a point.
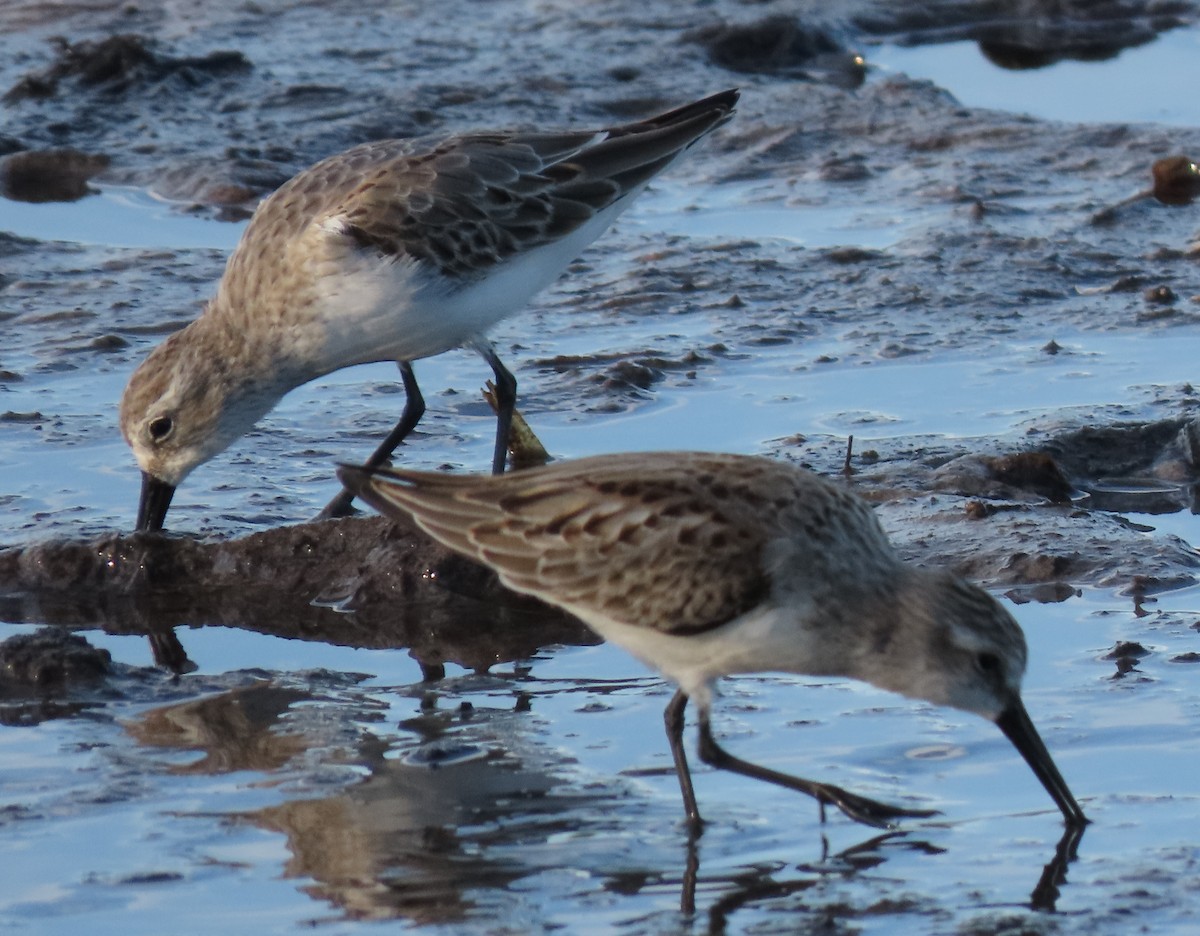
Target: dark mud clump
(118, 64)
(54, 175)
(50, 660)
(52, 674)
(1032, 471)
(783, 46)
(1176, 180)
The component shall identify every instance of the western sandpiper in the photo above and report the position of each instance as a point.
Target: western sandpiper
(395, 250)
(706, 565)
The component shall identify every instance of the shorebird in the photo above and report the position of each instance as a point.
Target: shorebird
(706, 565)
(395, 250)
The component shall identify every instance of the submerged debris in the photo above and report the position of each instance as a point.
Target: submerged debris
(49, 659)
(1176, 180)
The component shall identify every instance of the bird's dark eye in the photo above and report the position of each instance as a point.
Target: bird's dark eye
(160, 427)
(988, 662)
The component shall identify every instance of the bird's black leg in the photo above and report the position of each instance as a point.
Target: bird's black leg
(673, 718)
(506, 400)
(691, 874)
(414, 409)
(859, 808)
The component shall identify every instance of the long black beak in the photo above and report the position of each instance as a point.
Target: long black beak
(156, 498)
(1017, 727)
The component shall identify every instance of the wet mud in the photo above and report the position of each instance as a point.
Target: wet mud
(360, 582)
(1015, 237)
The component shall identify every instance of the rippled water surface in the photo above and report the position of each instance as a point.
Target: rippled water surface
(566, 814)
(1138, 85)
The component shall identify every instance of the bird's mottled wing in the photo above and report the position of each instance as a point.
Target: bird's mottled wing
(461, 204)
(466, 203)
(660, 541)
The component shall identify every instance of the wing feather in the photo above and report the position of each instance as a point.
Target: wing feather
(467, 203)
(671, 541)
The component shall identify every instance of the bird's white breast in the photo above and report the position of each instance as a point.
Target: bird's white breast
(372, 307)
(765, 639)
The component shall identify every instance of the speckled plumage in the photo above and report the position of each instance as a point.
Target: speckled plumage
(705, 565)
(394, 250)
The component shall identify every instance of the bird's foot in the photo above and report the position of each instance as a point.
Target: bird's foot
(341, 506)
(868, 811)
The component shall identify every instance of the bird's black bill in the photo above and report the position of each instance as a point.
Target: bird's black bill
(156, 499)
(1017, 727)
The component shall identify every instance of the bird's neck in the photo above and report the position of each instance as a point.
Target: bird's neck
(897, 621)
(852, 625)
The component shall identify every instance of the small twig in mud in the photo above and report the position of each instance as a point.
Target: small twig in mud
(1176, 182)
(525, 448)
(847, 469)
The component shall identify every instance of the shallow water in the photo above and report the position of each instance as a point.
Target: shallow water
(118, 216)
(1143, 84)
(130, 828)
(286, 784)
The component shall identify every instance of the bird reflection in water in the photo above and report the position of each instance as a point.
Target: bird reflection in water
(449, 818)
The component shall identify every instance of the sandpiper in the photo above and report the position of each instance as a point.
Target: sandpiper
(394, 250)
(705, 565)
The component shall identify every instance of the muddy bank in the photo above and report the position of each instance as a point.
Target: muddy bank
(361, 582)
(200, 107)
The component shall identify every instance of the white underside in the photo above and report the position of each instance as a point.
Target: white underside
(765, 639)
(379, 309)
